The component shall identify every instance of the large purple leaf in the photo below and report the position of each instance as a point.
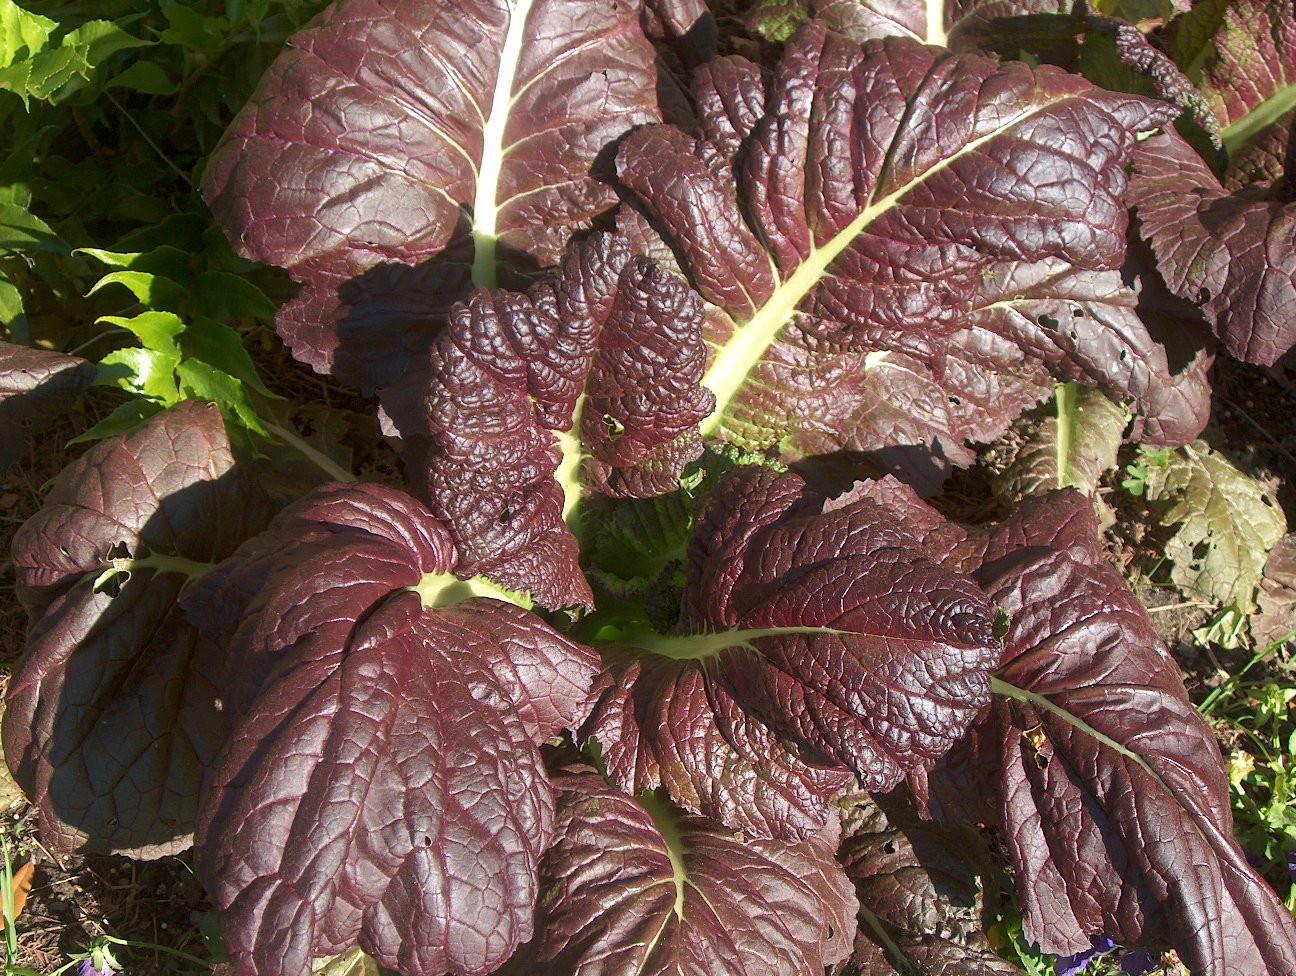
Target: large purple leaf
(1114, 798)
(637, 886)
(453, 137)
(850, 210)
(592, 378)
(36, 385)
(383, 783)
(1229, 246)
(1233, 253)
(289, 583)
(666, 723)
(114, 713)
(823, 622)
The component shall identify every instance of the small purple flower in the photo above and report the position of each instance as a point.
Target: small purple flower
(1073, 965)
(87, 968)
(1291, 864)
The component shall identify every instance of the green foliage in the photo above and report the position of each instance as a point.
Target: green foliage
(32, 65)
(1262, 770)
(106, 107)
(1070, 443)
(1226, 521)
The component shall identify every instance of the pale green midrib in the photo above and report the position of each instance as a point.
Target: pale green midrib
(1242, 131)
(485, 206)
(936, 23)
(664, 820)
(740, 355)
(1001, 687)
(898, 958)
(440, 590)
(568, 472)
(159, 562)
(1065, 395)
(696, 647)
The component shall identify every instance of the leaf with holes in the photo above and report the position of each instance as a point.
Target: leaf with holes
(1227, 523)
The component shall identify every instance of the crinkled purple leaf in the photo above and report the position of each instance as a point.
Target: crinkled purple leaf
(290, 582)
(931, 173)
(923, 884)
(1234, 254)
(35, 386)
(445, 135)
(592, 378)
(114, 713)
(383, 790)
(672, 724)
(825, 624)
(383, 783)
(639, 886)
(1115, 801)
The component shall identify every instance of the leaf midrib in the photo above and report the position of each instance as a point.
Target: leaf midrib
(485, 202)
(1269, 111)
(732, 366)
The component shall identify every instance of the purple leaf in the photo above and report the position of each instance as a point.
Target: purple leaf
(933, 174)
(383, 783)
(664, 723)
(114, 713)
(923, 884)
(36, 385)
(639, 886)
(437, 134)
(1234, 254)
(1115, 801)
(592, 378)
(1229, 246)
(817, 622)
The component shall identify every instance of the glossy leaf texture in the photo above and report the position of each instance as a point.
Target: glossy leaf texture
(397, 154)
(856, 210)
(36, 385)
(1227, 242)
(1233, 253)
(383, 784)
(114, 713)
(590, 379)
(818, 622)
(923, 889)
(641, 887)
(1114, 800)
